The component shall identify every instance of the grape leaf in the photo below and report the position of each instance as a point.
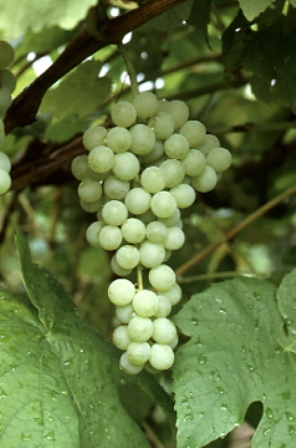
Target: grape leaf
(200, 17)
(78, 93)
(59, 378)
(173, 17)
(253, 8)
(16, 17)
(237, 355)
(44, 40)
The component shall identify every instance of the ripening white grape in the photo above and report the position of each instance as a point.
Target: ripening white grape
(121, 338)
(140, 329)
(6, 54)
(163, 204)
(7, 79)
(133, 230)
(80, 167)
(154, 155)
(184, 195)
(173, 220)
(194, 163)
(5, 163)
(121, 292)
(164, 308)
(143, 139)
(5, 181)
(174, 294)
(179, 111)
(173, 172)
(161, 356)
(146, 104)
(176, 146)
(163, 105)
(138, 352)
(123, 114)
(128, 367)
(210, 142)
(151, 254)
(151, 179)
(194, 131)
(147, 217)
(119, 139)
(145, 303)
(114, 213)
(163, 125)
(118, 270)
(126, 166)
(162, 277)
(90, 190)
(92, 233)
(137, 201)
(219, 159)
(93, 137)
(124, 313)
(115, 188)
(110, 237)
(101, 159)
(156, 231)
(5, 98)
(164, 331)
(175, 238)
(127, 256)
(91, 207)
(206, 181)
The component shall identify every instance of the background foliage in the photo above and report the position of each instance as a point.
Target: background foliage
(234, 63)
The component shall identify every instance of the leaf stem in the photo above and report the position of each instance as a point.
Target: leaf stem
(232, 233)
(130, 70)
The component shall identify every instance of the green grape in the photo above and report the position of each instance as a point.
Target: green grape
(5, 163)
(5, 181)
(7, 79)
(176, 147)
(121, 337)
(118, 270)
(163, 125)
(151, 179)
(94, 137)
(128, 367)
(5, 98)
(156, 232)
(194, 132)
(121, 292)
(173, 220)
(115, 188)
(145, 303)
(206, 181)
(119, 139)
(124, 313)
(110, 237)
(154, 155)
(146, 104)
(101, 159)
(128, 256)
(91, 207)
(140, 329)
(90, 190)
(173, 172)
(219, 159)
(194, 163)
(179, 111)
(151, 254)
(164, 307)
(164, 331)
(137, 201)
(123, 114)
(175, 238)
(138, 352)
(126, 166)
(92, 233)
(184, 195)
(161, 357)
(210, 142)
(6, 54)
(133, 230)
(174, 294)
(162, 277)
(143, 139)
(114, 213)
(81, 169)
(163, 204)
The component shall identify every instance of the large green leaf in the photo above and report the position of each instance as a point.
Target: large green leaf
(238, 354)
(79, 93)
(17, 16)
(252, 8)
(59, 378)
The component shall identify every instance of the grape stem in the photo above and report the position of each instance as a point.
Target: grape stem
(130, 70)
(140, 278)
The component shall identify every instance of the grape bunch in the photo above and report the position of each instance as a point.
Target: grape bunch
(7, 85)
(137, 177)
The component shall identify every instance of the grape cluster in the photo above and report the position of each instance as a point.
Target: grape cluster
(7, 85)
(137, 177)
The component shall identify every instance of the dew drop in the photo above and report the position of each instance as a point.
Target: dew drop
(290, 417)
(286, 396)
(269, 413)
(194, 321)
(188, 417)
(220, 390)
(223, 311)
(202, 359)
(26, 437)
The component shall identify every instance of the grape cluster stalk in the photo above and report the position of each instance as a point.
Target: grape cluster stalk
(7, 86)
(137, 177)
